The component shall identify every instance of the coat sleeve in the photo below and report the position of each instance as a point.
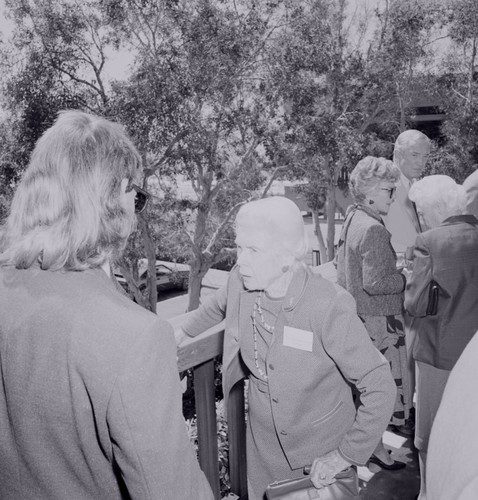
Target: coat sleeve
(211, 313)
(148, 433)
(379, 275)
(347, 342)
(416, 292)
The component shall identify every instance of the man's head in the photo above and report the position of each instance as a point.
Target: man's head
(410, 154)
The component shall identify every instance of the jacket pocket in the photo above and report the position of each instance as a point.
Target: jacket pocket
(328, 415)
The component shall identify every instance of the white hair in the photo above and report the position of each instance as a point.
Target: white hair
(280, 218)
(407, 139)
(438, 197)
(471, 188)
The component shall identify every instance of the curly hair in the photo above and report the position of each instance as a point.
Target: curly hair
(369, 173)
(67, 212)
(438, 197)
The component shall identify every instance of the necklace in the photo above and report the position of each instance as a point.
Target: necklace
(258, 309)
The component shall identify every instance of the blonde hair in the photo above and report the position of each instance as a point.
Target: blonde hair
(438, 197)
(369, 173)
(67, 211)
(280, 218)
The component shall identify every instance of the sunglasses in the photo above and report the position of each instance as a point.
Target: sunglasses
(141, 199)
(391, 191)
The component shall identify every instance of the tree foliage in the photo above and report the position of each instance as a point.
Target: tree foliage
(225, 96)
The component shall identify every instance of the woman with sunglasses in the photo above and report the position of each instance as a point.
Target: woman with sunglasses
(90, 400)
(367, 268)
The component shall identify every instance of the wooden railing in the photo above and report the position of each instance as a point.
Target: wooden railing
(198, 354)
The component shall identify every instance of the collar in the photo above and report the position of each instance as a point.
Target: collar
(463, 218)
(369, 211)
(294, 293)
(296, 288)
(406, 182)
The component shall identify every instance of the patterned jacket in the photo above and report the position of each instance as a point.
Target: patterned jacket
(366, 264)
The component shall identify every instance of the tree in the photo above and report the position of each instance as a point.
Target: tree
(194, 104)
(457, 85)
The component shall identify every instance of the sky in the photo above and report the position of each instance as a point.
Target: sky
(118, 62)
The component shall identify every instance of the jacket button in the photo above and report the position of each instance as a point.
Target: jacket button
(271, 366)
(275, 400)
(284, 433)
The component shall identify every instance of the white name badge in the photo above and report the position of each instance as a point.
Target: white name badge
(298, 339)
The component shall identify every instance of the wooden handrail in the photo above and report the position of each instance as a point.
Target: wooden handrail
(198, 353)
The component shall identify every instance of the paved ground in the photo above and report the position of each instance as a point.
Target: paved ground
(380, 484)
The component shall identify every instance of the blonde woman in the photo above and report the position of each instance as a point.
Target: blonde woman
(90, 402)
(366, 267)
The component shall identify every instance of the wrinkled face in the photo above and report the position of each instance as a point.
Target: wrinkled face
(258, 261)
(382, 196)
(413, 159)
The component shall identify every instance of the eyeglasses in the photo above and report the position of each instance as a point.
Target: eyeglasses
(391, 191)
(141, 199)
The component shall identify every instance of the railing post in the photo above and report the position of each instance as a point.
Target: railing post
(204, 389)
(237, 440)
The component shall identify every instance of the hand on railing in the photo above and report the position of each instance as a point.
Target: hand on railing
(179, 335)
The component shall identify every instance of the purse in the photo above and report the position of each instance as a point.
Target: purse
(345, 487)
(433, 294)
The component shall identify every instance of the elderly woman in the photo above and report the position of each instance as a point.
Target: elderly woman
(90, 401)
(441, 294)
(298, 339)
(366, 267)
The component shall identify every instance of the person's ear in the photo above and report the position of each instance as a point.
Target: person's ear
(287, 263)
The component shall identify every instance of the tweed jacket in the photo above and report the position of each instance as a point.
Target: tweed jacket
(310, 394)
(447, 255)
(366, 264)
(90, 401)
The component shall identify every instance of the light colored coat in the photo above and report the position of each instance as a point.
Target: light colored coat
(402, 221)
(90, 401)
(452, 468)
(310, 395)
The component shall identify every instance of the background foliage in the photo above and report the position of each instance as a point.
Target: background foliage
(225, 96)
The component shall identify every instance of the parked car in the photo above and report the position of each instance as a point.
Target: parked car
(169, 276)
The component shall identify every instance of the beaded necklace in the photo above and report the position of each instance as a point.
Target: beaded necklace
(258, 309)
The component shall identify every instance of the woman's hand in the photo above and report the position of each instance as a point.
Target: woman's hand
(325, 468)
(179, 335)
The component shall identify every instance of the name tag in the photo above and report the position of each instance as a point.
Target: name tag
(298, 339)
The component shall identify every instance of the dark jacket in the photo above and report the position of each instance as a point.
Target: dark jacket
(366, 264)
(447, 256)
